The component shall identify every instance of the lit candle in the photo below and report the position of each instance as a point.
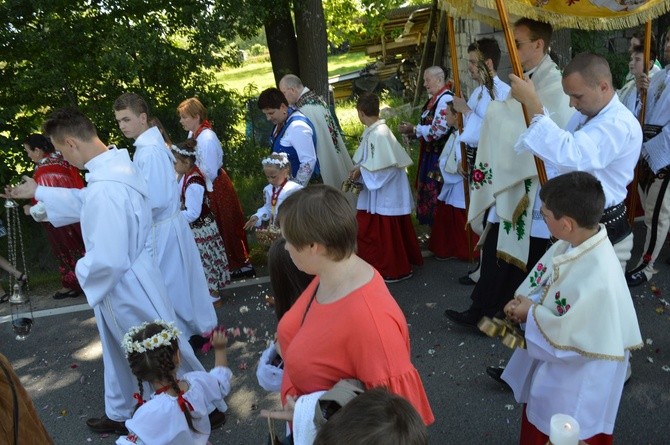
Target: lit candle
(564, 430)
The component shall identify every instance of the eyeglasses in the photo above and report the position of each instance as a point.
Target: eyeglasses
(518, 44)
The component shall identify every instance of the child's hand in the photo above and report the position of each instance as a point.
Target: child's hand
(219, 340)
(286, 413)
(517, 309)
(355, 173)
(251, 223)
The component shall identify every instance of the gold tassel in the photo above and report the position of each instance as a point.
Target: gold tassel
(523, 205)
(506, 257)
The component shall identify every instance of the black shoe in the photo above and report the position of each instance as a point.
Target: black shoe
(243, 272)
(636, 279)
(69, 294)
(495, 372)
(217, 418)
(465, 318)
(105, 425)
(466, 281)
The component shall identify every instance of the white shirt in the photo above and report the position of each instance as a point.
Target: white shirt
(265, 213)
(160, 420)
(479, 103)
(299, 136)
(209, 155)
(606, 145)
(658, 113)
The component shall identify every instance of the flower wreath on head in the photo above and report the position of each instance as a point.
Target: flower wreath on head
(162, 338)
(280, 163)
(184, 152)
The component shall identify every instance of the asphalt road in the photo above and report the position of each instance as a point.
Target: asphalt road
(60, 364)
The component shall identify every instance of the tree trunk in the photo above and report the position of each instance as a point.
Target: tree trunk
(310, 25)
(282, 44)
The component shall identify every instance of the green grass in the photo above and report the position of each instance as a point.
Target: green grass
(258, 70)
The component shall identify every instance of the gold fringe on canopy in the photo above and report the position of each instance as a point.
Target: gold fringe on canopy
(578, 14)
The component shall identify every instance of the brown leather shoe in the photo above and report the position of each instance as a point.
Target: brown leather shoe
(216, 418)
(104, 424)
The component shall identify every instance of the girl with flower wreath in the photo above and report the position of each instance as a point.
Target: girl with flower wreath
(195, 208)
(277, 170)
(177, 411)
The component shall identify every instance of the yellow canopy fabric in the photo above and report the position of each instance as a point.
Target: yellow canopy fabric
(580, 14)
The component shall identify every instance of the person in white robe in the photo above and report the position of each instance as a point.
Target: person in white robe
(483, 60)
(119, 278)
(602, 138)
(506, 183)
(656, 155)
(386, 237)
(334, 160)
(580, 322)
(629, 94)
(171, 242)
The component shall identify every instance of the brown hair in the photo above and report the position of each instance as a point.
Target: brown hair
(368, 104)
(538, 31)
(375, 417)
(132, 102)
(39, 142)
(271, 98)
(189, 146)
(489, 48)
(193, 107)
(578, 195)
(320, 214)
(69, 122)
(592, 67)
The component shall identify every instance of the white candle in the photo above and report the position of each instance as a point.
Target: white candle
(564, 430)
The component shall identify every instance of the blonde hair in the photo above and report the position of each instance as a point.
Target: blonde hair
(193, 107)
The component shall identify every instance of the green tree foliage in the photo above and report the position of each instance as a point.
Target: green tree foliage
(356, 20)
(56, 53)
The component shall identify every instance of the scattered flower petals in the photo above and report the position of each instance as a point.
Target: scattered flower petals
(63, 412)
(74, 366)
(660, 310)
(431, 305)
(431, 351)
(243, 366)
(655, 290)
(650, 360)
(244, 309)
(509, 407)
(665, 368)
(82, 380)
(649, 341)
(461, 344)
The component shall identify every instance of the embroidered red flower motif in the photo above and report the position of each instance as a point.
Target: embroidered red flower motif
(561, 304)
(477, 176)
(539, 266)
(646, 259)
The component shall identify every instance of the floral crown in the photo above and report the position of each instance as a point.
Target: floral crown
(183, 152)
(163, 338)
(281, 163)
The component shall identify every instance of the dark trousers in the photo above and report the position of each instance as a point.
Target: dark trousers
(500, 279)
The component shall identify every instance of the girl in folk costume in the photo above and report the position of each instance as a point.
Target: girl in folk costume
(277, 169)
(448, 238)
(224, 203)
(293, 134)
(386, 237)
(431, 132)
(66, 242)
(195, 208)
(177, 411)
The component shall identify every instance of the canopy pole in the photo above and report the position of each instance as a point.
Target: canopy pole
(451, 36)
(518, 70)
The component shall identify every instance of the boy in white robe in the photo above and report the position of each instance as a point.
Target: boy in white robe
(171, 243)
(117, 274)
(386, 237)
(579, 316)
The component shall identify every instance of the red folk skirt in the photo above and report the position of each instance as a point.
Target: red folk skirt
(227, 211)
(388, 243)
(448, 237)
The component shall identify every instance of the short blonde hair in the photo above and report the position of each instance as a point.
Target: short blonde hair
(320, 214)
(193, 107)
